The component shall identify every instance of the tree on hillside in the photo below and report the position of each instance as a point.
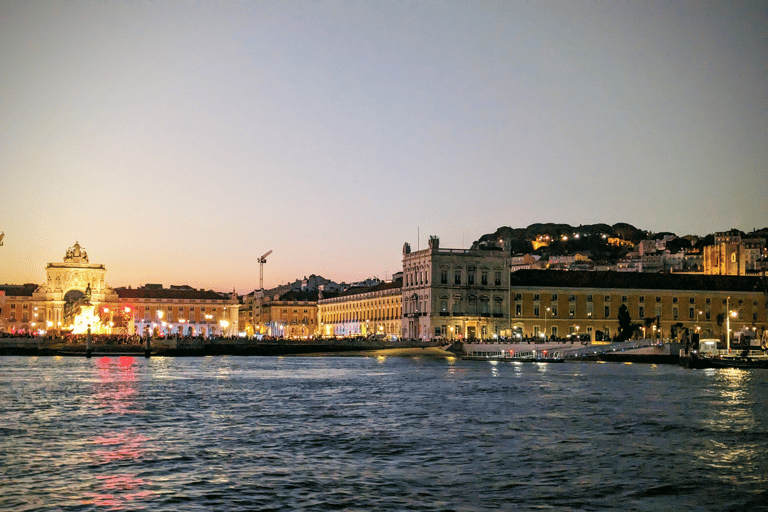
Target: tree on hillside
(625, 323)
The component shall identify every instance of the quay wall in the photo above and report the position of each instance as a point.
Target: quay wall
(199, 347)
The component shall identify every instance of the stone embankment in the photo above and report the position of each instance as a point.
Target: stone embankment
(206, 347)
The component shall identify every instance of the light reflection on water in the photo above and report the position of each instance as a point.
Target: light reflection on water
(378, 433)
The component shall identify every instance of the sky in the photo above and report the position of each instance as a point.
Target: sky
(177, 142)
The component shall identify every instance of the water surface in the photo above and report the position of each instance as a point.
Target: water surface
(344, 433)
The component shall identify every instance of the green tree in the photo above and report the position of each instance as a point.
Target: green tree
(625, 323)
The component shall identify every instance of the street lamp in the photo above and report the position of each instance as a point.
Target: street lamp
(545, 322)
(698, 326)
(728, 315)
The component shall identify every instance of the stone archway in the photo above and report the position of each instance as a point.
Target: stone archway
(73, 296)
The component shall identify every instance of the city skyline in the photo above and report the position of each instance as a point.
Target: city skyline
(178, 143)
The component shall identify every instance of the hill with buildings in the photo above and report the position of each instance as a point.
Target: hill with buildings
(621, 247)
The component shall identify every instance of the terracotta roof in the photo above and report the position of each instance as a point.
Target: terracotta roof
(166, 293)
(18, 290)
(635, 280)
(398, 283)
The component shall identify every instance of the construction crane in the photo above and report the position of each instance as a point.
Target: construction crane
(262, 261)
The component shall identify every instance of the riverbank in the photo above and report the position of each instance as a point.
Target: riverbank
(662, 354)
(222, 346)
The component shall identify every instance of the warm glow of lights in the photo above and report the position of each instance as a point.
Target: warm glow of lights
(87, 318)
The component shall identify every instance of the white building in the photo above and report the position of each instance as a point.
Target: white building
(455, 293)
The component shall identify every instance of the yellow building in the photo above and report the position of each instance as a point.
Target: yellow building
(557, 304)
(366, 311)
(178, 310)
(289, 315)
(725, 259)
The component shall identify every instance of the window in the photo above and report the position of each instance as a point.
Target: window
(497, 279)
(536, 310)
(443, 305)
(571, 311)
(589, 298)
(589, 310)
(471, 275)
(518, 296)
(607, 298)
(518, 310)
(443, 277)
(691, 300)
(484, 278)
(642, 299)
(554, 330)
(674, 312)
(641, 311)
(554, 310)
(691, 313)
(709, 301)
(607, 311)
(571, 298)
(623, 298)
(535, 296)
(554, 296)
(457, 277)
(674, 300)
(658, 299)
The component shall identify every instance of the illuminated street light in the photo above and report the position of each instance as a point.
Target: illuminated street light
(728, 316)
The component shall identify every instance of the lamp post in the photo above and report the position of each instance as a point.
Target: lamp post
(728, 315)
(208, 324)
(546, 333)
(698, 325)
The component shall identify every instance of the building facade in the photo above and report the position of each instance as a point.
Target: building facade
(556, 304)
(364, 311)
(178, 310)
(292, 314)
(455, 293)
(725, 259)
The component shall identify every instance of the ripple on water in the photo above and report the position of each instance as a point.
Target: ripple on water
(369, 434)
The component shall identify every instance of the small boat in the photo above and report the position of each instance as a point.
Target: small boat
(709, 356)
(509, 356)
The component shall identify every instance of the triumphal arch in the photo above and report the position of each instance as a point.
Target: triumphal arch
(74, 287)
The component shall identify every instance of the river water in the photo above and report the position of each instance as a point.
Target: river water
(356, 433)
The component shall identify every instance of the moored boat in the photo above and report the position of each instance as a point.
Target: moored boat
(528, 356)
(708, 355)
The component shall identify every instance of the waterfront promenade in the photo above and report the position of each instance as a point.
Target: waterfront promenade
(648, 351)
(198, 346)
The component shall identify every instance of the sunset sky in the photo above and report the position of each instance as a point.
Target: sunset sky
(179, 141)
